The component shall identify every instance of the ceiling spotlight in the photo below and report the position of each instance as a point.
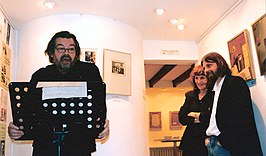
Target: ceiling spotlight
(49, 4)
(180, 27)
(174, 21)
(159, 11)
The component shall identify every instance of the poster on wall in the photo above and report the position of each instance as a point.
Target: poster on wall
(4, 65)
(4, 29)
(8, 33)
(240, 56)
(259, 33)
(3, 118)
(155, 121)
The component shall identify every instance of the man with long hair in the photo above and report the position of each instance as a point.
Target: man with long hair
(232, 129)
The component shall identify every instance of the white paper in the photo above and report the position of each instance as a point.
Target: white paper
(52, 90)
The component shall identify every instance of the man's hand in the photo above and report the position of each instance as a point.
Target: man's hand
(14, 132)
(105, 133)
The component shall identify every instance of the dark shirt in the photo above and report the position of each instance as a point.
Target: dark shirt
(75, 143)
(194, 135)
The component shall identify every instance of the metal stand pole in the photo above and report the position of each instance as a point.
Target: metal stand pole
(60, 137)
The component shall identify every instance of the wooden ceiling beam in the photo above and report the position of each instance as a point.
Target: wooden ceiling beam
(183, 76)
(160, 74)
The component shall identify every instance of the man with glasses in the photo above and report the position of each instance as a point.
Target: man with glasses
(64, 54)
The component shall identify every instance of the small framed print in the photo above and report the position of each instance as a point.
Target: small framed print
(174, 120)
(117, 72)
(155, 121)
(89, 54)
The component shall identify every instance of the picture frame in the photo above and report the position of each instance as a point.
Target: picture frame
(259, 33)
(174, 123)
(241, 57)
(117, 72)
(89, 54)
(155, 121)
(5, 57)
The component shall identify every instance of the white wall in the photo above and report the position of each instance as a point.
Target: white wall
(239, 19)
(127, 114)
(187, 51)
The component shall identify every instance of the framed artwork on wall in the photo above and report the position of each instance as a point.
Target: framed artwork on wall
(259, 33)
(117, 72)
(155, 121)
(5, 57)
(240, 56)
(174, 120)
(89, 54)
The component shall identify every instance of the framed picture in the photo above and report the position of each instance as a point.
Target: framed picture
(240, 56)
(155, 121)
(117, 72)
(259, 33)
(89, 54)
(5, 56)
(174, 120)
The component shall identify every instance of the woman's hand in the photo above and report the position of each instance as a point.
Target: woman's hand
(195, 115)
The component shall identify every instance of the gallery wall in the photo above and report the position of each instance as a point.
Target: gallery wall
(231, 24)
(164, 100)
(242, 17)
(7, 42)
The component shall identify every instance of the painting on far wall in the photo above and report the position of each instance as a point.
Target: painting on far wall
(155, 121)
(174, 120)
(240, 56)
(259, 33)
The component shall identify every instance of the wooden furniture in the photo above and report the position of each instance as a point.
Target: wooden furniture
(175, 150)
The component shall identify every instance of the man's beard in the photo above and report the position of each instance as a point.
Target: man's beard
(212, 79)
(64, 63)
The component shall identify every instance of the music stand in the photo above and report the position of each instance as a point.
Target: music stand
(60, 115)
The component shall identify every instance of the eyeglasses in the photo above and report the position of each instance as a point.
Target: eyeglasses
(63, 50)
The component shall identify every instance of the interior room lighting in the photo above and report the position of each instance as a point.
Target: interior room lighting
(49, 5)
(174, 21)
(159, 11)
(180, 27)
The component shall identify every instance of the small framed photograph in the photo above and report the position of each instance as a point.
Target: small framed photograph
(89, 55)
(117, 72)
(155, 121)
(174, 120)
(240, 56)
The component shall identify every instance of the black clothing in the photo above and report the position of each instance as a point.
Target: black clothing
(235, 119)
(192, 142)
(75, 143)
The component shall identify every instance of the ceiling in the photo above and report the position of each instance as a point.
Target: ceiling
(198, 16)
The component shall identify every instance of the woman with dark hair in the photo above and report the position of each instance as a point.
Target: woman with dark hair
(195, 114)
